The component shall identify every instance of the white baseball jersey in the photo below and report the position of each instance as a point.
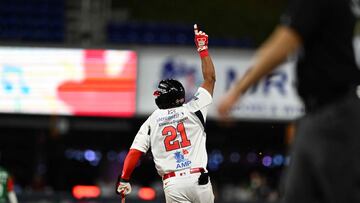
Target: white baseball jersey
(176, 136)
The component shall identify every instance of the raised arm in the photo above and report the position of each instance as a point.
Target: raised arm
(274, 51)
(208, 70)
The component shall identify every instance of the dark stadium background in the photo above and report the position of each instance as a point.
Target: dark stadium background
(45, 152)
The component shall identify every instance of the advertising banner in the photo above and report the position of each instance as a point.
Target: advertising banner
(273, 98)
(68, 81)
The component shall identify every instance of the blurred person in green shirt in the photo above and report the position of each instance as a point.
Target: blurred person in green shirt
(7, 193)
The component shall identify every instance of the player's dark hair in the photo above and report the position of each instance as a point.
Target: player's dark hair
(169, 94)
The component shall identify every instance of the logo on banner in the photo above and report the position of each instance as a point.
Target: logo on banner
(187, 74)
(181, 161)
(275, 81)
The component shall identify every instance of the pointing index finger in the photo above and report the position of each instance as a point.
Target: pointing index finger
(196, 31)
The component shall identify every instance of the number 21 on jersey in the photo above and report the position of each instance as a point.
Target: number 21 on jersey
(171, 141)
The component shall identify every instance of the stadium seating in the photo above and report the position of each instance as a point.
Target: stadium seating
(32, 20)
(163, 34)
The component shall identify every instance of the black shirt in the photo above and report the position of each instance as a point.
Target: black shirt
(326, 68)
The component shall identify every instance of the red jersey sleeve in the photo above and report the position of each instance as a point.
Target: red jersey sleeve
(130, 162)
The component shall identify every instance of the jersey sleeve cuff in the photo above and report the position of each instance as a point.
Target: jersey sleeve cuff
(206, 92)
(139, 149)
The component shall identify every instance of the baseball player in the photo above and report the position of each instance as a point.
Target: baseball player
(176, 135)
(7, 193)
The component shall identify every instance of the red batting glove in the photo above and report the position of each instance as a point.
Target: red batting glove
(201, 42)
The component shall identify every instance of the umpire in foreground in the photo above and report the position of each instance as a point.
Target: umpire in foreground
(325, 163)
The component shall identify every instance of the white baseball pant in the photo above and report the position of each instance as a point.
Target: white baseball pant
(186, 189)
